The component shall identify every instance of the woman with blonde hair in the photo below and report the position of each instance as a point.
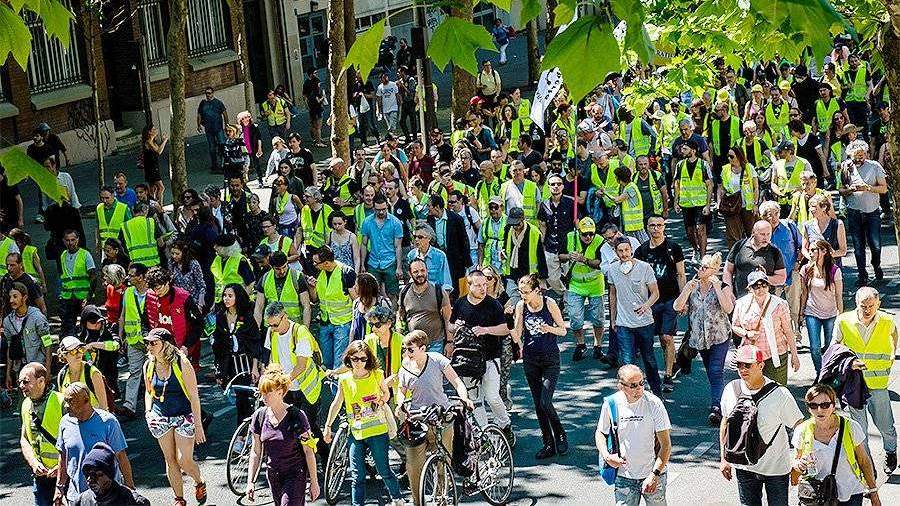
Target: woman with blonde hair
(824, 225)
(75, 368)
(172, 411)
(282, 431)
(708, 304)
(821, 298)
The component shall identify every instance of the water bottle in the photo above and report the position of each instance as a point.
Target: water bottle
(811, 470)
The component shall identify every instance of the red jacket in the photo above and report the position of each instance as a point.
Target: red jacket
(174, 312)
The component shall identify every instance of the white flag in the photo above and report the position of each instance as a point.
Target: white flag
(548, 86)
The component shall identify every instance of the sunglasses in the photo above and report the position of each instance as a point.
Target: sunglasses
(761, 284)
(744, 365)
(819, 405)
(493, 206)
(589, 234)
(452, 202)
(409, 349)
(639, 384)
(359, 359)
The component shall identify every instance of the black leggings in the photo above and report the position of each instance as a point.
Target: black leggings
(542, 373)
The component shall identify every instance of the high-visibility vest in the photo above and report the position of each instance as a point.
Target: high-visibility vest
(110, 229)
(284, 244)
(692, 191)
(140, 239)
(287, 295)
(638, 142)
(778, 123)
(632, 215)
(524, 114)
(28, 254)
(877, 353)
(529, 198)
(492, 241)
(585, 281)
(75, 283)
(745, 186)
(568, 126)
(609, 184)
(281, 202)
(802, 204)
(226, 276)
(343, 186)
(393, 357)
(824, 113)
(807, 434)
(759, 157)
(150, 368)
(858, 86)
(134, 311)
(5, 245)
(484, 191)
(63, 380)
(655, 194)
(360, 213)
(363, 414)
(277, 113)
(793, 182)
(534, 241)
(314, 232)
(310, 379)
(734, 134)
(668, 129)
(45, 450)
(335, 306)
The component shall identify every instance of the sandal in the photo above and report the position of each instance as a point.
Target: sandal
(200, 492)
(179, 501)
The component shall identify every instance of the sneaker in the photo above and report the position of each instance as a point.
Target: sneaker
(668, 385)
(598, 353)
(545, 453)
(562, 445)
(510, 435)
(579, 352)
(715, 417)
(890, 463)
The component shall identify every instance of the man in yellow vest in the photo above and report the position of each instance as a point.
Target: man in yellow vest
(133, 325)
(872, 335)
(586, 284)
(340, 190)
(42, 410)
(331, 289)
(522, 252)
(490, 237)
(77, 272)
(285, 285)
(826, 107)
(522, 193)
(631, 205)
(652, 186)
(111, 215)
(693, 195)
(229, 266)
(277, 113)
(314, 220)
(777, 114)
(724, 132)
(800, 211)
(142, 237)
(786, 173)
(859, 86)
(487, 188)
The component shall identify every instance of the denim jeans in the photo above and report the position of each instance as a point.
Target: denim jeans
(333, 339)
(879, 406)
(43, 489)
(814, 327)
(214, 141)
(750, 487)
(542, 373)
(378, 445)
(640, 339)
(714, 362)
(865, 229)
(136, 358)
(628, 492)
(486, 391)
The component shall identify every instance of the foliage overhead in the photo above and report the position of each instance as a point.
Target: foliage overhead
(20, 166)
(457, 40)
(15, 38)
(361, 53)
(588, 37)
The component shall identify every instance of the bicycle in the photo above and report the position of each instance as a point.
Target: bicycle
(494, 472)
(237, 461)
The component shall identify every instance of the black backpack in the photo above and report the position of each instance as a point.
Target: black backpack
(468, 354)
(744, 444)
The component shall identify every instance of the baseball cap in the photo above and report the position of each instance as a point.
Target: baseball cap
(756, 88)
(784, 84)
(784, 145)
(496, 199)
(91, 314)
(516, 216)
(70, 343)
(749, 354)
(756, 277)
(586, 225)
(336, 161)
(160, 334)
(262, 251)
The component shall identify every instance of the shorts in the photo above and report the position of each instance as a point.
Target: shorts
(693, 216)
(160, 425)
(664, 318)
(575, 308)
(387, 278)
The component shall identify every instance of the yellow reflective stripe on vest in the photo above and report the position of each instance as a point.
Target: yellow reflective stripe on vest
(534, 240)
(310, 379)
(110, 229)
(336, 307)
(75, 283)
(314, 232)
(492, 242)
(692, 191)
(140, 240)
(734, 134)
(227, 276)
(877, 353)
(858, 87)
(632, 215)
(53, 412)
(28, 261)
(585, 281)
(134, 309)
(287, 296)
(824, 113)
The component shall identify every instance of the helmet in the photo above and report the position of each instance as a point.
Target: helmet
(412, 433)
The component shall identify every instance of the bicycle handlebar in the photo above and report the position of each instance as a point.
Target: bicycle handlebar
(231, 387)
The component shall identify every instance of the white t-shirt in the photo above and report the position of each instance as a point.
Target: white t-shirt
(471, 225)
(388, 93)
(301, 349)
(638, 425)
(823, 454)
(775, 410)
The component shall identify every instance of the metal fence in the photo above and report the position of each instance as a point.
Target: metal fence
(206, 27)
(52, 66)
(154, 36)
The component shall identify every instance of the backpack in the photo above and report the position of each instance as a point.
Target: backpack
(465, 446)
(88, 372)
(468, 354)
(594, 206)
(744, 444)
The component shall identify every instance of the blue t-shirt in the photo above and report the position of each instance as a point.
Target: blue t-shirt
(438, 268)
(500, 34)
(382, 254)
(76, 439)
(210, 112)
(129, 198)
(787, 239)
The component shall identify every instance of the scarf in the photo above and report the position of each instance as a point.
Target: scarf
(516, 243)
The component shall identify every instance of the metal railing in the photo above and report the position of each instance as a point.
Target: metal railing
(52, 66)
(154, 36)
(206, 27)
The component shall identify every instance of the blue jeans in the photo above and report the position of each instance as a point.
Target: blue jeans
(628, 492)
(879, 406)
(865, 229)
(333, 339)
(378, 445)
(750, 487)
(43, 489)
(714, 362)
(640, 339)
(814, 327)
(214, 141)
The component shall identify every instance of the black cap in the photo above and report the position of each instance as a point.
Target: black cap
(261, 251)
(91, 314)
(784, 146)
(516, 215)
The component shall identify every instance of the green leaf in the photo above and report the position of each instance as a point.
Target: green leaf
(16, 5)
(530, 10)
(19, 166)
(570, 51)
(817, 20)
(636, 37)
(363, 55)
(503, 4)
(457, 40)
(15, 38)
(57, 21)
(564, 12)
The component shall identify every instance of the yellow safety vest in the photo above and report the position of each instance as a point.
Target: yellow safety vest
(778, 123)
(609, 184)
(638, 142)
(524, 114)
(277, 114)
(75, 283)
(655, 194)
(483, 192)
(343, 186)
(134, 311)
(802, 205)
(877, 353)
(314, 232)
(632, 215)
(140, 239)
(287, 296)
(585, 281)
(807, 431)
(745, 186)
(529, 198)
(226, 276)
(364, 415)
(63, 380)
(45, 450)
(858, 86)
(150, 367)
(824, 113)
(534, 241)
(110, 229)
(792, 183)
(492, 241)
(310, 379)
(5, 245)
(734, 134)
(335, 306)
(692, 191)
(568, 126)
(758, 156)
(28, 255)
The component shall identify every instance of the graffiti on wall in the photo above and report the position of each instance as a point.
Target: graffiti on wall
(81, 121)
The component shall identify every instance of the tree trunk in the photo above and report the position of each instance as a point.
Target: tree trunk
(176, 45)
(349, 26)
(340, 118)
(534, 60)
(890, 53)
(550, 32)
(237, 12)
(463, 82)
(92, 37)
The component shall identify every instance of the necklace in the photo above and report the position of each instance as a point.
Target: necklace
(165, 384)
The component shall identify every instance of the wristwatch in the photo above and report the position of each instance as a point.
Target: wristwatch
(657, 472)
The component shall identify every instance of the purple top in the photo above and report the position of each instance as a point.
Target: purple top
(281, 443)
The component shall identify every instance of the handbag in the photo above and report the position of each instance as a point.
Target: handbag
(731, 205)
(815, 492)
(388, 417)
(685, 354)
(608, 472)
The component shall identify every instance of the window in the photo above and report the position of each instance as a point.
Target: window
(484, 14)
(206, 27)
(154, 36)
(50, 65)
(313, 40)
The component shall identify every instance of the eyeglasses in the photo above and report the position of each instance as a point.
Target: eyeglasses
(625, 384)
(409, 349)
(452, 202)
(589, 234)
(819, 405)
(274, 325)
(744, 365)
(421, 236)
(359, 358)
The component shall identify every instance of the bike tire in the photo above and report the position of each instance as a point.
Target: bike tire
(337, 465)
(430, 482)
(496, 465)
(237, 463)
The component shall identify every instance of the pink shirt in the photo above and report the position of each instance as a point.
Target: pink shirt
(747, 317)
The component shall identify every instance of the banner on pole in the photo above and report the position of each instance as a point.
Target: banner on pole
(548, 86)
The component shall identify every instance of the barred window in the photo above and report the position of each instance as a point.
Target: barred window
(206, 27)
(50, 65)
(154, 35)
(484, 14)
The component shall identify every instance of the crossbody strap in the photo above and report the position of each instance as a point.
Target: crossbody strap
(837, 448)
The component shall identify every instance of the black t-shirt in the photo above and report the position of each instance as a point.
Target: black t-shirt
(299, 285)
(531, 159)
(442, 153)
(403, 211)
(41, 153)
(486, 313)
(663, 259)
(810, 152)
(746, 260)
(9, 210)
(302, 162)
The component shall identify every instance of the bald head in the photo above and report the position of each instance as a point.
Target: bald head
(762, 233)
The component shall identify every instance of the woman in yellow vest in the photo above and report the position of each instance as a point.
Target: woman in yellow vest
(738, 177)
(71, 353)
(363, 394)
(631, 205)
(172, 411)
(30, 256)
(826, 435)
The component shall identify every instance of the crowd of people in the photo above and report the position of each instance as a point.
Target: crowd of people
(448, 259)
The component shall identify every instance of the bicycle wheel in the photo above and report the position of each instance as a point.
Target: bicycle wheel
(496, 470)
(338, 463)
(237, 464)
(437, 485)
